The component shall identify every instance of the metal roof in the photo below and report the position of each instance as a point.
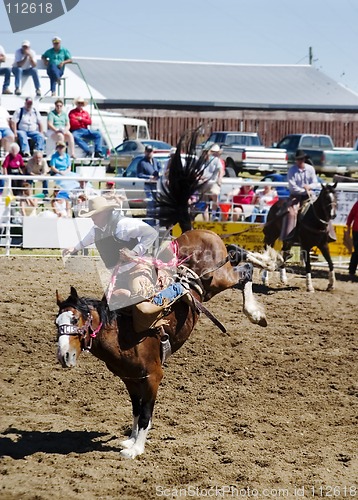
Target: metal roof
(191, 85)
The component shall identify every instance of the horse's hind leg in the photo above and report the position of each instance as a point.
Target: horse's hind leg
(252, 309)
(331, 278)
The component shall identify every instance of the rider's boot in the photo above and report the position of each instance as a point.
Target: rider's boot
(150, 313)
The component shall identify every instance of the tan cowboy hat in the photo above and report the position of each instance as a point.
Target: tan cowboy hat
(96, 206)
(81, 99)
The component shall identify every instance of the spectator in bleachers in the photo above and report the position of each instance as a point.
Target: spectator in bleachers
(80, 196)
(28, 203)
(14, 165)
(212, 177)
(80, 120)
(25, 64)
(6, 134)
(112, 194)
(60, 162)
(58, 127)
(239, 197)
(55, 60)
(26, 124)
(263, 200)
(5, 72)
(60, 203)
(37, 165)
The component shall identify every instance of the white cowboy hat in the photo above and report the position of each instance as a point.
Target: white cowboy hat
(80, 99)
(215, 148)
(97, 205)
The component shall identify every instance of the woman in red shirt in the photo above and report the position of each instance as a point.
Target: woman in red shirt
(352, 221)
(13, 165)
(243, 196)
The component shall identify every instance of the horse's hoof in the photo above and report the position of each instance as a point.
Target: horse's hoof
(330, 288)
(311, 290)
(262, 322)
(127, 443)
(130, 453)
(258, 319)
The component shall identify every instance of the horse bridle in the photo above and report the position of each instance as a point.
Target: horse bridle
(329, 205)
(83, 332)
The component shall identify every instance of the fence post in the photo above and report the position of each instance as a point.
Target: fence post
(7, 215)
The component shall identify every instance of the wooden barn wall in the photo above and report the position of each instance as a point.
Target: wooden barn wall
(271, 125)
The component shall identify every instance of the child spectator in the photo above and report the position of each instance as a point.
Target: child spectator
(60, 203)
(263, 200)
(28, 204)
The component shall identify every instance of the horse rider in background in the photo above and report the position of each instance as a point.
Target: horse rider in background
(122, 243)
(302, 181)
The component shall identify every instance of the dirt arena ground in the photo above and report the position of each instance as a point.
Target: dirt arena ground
(264, 413)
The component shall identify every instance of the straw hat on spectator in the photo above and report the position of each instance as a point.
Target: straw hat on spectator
(80, 100)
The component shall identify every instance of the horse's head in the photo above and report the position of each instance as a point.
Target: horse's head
(74, 324)
(328, 198)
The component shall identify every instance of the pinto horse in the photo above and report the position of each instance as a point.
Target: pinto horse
(312, 230)
(84, 323)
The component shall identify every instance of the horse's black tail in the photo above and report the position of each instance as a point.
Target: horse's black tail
(179, 183)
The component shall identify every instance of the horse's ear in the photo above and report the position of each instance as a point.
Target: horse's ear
(334, 185)
(59, 299)
(74, 294)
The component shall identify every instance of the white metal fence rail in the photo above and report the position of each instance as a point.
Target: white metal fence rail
(11, 220)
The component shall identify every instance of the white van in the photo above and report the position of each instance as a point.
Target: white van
(116, 128)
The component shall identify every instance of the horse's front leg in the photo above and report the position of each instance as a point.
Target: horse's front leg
(252, 309)
(142, 418)
(136, 404)
(265, 277)
(331, 277)
(305, 254)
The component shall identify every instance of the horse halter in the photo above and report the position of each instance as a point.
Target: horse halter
(83, 333)
(329, 209)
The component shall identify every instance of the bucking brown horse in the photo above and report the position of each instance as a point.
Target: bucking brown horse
(88, 324)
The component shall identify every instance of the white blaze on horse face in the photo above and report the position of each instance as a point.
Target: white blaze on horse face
(66, 353)
(333, 205)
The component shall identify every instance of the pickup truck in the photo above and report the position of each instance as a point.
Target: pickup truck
(326, 158)
(244, 151)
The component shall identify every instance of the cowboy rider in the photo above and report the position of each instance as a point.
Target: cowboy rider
(302, 181)
(122, 243)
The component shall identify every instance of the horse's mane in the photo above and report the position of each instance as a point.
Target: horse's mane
(181, 182)
(85, 304)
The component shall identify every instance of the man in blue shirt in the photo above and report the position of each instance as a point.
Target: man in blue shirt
(148, 169)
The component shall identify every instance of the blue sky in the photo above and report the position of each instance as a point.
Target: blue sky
(231, 31)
